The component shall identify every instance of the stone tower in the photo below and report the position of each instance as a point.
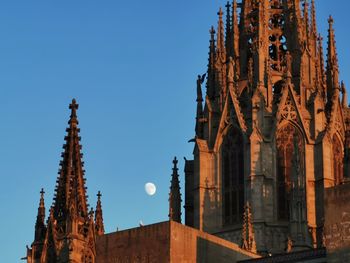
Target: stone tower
(272, 129)
(69, 234)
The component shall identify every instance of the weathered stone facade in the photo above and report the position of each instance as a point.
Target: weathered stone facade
(272, 130)
(337, 223)
(271, 157)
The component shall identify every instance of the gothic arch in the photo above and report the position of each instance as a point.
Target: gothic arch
(338, 158)
(232, 151)
(284, 155)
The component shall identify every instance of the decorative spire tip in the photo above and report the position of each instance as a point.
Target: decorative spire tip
(330, 20)
(175, 161)
(220, 13)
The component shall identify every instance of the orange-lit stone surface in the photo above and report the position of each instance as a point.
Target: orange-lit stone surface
(166, 242)
(337, 223)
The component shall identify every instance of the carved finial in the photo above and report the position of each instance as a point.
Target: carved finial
(175, 161)
(73, 107)
(330, 20)
(220, 13)
(42, 192)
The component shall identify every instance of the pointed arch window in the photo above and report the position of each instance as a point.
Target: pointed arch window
(338, 157)
(233, 177)
(285, 149)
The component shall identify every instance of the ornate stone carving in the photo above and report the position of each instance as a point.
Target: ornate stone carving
(289, 111)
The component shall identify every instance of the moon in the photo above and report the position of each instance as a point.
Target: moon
(150, 189)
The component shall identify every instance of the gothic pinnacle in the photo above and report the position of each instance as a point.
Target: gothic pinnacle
(235, 30)
(70, 190)
(321, 56)
(313, 18)
(175, 195)
(221, 52)
(211, 65)
(228, 27)
(42, 201)
(40, 228)
(306, 16)
(332, 61)
(99, 226)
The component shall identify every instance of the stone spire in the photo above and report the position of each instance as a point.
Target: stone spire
(332, 61)
(211, 65)
(70, 227)
(220, 49)
(175, 195)
(298, 225)
(70, 196)
(235, 31)
(40, 227)
(220, 65)
(248, 237)
(99, 226)
(228, 28)
(40, 231)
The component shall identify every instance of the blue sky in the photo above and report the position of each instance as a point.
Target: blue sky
(132, 67)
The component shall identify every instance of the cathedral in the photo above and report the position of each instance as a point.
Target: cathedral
(270, 173)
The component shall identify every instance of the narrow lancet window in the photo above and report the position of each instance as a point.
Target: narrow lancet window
(285, 150)
(233, 177)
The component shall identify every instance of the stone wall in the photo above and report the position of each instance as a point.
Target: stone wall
(167, 242)
(337, 223)
(143, 244)
(188, 245)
